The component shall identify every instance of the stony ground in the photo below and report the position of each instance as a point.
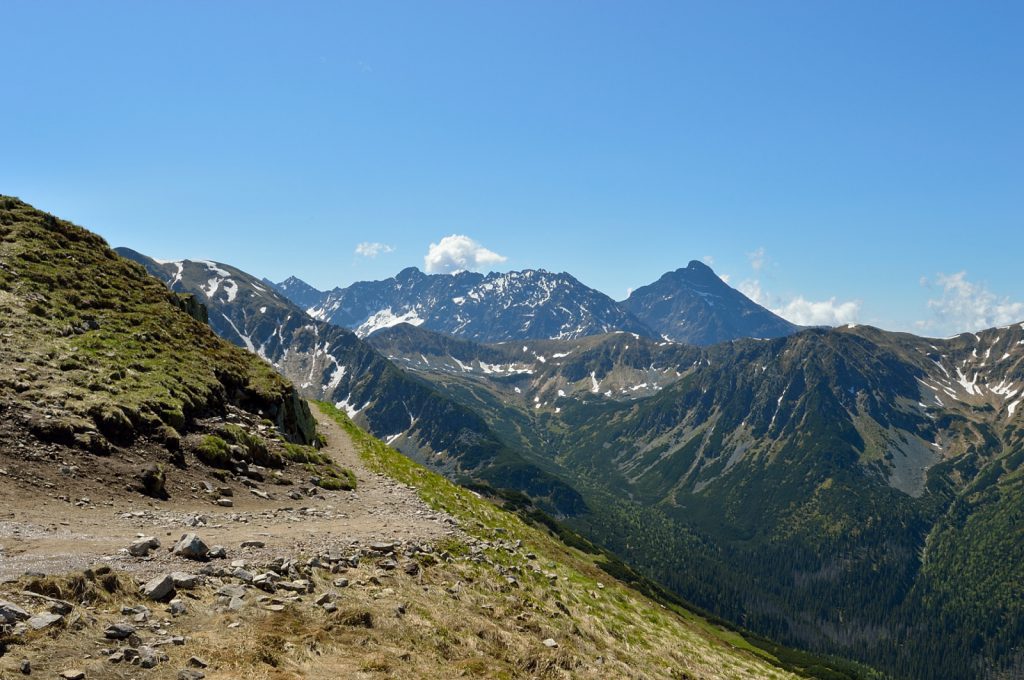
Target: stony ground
(54, 522)
(366, 584)
(63, 516)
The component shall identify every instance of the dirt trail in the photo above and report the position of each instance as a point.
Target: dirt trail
(41, 532)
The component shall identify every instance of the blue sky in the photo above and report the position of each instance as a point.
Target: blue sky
(837, 160)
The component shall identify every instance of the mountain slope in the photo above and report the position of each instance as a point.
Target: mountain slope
(873, 477)
(497, 307)
(106, 377)
(694, 306)
(331, 363)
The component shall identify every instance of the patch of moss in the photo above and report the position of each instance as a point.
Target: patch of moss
(214, 452)
(336, 479)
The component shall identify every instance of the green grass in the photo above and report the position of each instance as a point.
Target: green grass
(93, 335)
(579, 572)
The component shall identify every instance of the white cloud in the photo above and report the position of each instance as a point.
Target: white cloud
(373, 249)
(800, 310)
(966, 306)
(458, 253)
(752, 289)
(709, 260)
(757, 258)
(804, 312)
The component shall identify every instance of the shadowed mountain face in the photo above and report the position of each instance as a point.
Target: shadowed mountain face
(851, 490)
(330, 363)
(694, 306)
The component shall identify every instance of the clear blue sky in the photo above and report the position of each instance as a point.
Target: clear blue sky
(862, 145)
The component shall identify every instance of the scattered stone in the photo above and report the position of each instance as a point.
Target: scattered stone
(341, 583)
(298, 586)
(265, 582)
(184, 581)
(73, 674)
(177, 608)
(11, 613)
(550, 643)
(330, 607)
(41, 621)
(253, 544)
(412, 568)
(324, 599)
(119, 631)
(243, 574)
(197, 662)
(189, 674)
(225, 502)
(160, 588)
(149, 658)
(54, 605)
(191, 547)
(25, 667)
(218, 552)
(153, 479)
(231, 591)
(143, 546)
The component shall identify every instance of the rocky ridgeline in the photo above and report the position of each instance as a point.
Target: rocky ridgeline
(156, 612)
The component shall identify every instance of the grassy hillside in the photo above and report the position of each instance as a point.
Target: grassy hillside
(603, 628)
(97, 356)
(851, 491)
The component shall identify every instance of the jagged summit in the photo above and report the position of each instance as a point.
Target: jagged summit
(515, 305)
(693, 305)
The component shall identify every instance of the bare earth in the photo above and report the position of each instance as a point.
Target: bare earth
(39, 532)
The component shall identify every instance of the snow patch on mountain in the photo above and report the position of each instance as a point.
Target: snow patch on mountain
(386, 318)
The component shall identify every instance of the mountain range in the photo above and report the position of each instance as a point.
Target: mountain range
(852, 491)
(690, 305)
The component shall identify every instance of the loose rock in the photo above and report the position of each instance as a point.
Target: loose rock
(119, 631)
(191, 547)
(159, 588)
(143, 546)
(11, 613)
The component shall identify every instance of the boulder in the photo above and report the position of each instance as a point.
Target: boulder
(143, 546)
(159, 588)
(149, 657)
(185, 581)
(152, 480)
(12, 613)
(119, 631)
(191, 547)
(45, 620)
